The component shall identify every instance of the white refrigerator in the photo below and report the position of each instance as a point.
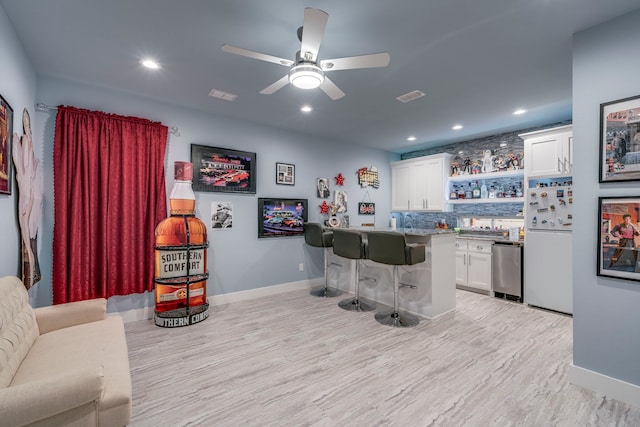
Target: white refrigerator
(548, 274)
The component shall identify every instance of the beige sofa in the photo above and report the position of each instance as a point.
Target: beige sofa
(63, 365)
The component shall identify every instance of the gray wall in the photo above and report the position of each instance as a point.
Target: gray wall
(606, 315)
(238, 260)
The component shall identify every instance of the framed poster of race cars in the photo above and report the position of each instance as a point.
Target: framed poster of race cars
(223, 170)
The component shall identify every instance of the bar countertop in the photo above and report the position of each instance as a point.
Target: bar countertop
(407, 231)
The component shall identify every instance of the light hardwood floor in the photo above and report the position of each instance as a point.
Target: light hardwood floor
(296, 360)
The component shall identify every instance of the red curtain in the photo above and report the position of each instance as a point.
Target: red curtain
(110, 194)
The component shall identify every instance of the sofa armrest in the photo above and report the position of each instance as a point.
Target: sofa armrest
(61, 316)
(30, 402)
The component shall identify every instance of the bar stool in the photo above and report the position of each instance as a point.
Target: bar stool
(391, 248)
(349, 244)
(315, 236)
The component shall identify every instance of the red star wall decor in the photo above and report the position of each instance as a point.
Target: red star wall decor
(339, 179)
(324, 207)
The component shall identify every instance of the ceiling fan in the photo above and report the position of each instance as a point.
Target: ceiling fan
(307, 72)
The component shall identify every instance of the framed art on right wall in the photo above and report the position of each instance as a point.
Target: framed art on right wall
(620, 140)
(6, 135)
(618, 237)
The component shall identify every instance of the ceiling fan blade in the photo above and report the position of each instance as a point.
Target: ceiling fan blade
(331, 89)
(353, 62)
(315, 20)
(272, 88)
(256, 55)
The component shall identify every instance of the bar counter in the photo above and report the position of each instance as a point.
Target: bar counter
(434, 292)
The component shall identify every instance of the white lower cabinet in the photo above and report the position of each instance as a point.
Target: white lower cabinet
(473, 264)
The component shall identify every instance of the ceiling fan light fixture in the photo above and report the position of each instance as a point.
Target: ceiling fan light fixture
(306, 76)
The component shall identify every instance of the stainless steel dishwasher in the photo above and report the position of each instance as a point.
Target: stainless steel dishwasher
(506, 267)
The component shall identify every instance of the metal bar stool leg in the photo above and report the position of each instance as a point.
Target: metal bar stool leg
(355, 303)
(397, 319)
(325, 291)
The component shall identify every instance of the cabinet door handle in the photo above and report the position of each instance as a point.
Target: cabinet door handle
(559, 164)
(469, 255)
(464, 259)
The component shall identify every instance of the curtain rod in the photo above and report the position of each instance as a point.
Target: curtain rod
(173, 130)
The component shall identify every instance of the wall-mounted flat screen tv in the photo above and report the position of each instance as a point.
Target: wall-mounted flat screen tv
(279, 217)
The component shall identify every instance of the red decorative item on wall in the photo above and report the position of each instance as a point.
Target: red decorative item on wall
(324, 207)
(339, 179)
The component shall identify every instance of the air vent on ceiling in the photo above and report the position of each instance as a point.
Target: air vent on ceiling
(411, 96)
(222, 95)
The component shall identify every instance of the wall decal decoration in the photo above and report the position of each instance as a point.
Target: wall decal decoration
(29, 178)
(339, 179)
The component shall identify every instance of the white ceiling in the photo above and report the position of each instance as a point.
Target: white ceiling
(477, 61)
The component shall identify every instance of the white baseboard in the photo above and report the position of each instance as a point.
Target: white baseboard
(605, 385)
(146, 313)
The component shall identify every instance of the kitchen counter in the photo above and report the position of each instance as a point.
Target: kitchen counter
(434, 279)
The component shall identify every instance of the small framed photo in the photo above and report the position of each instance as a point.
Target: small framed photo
(620, 140)
(6, 136)
(618, 237)
(285, 174)
(322, 187)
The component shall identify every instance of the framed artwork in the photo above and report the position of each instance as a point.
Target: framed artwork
(618, 237)
(221, 215)
(620, 140)
(366, 208)
(6, 135)
(322, 186)
(223, 170)
(285, 174)
(281, 217)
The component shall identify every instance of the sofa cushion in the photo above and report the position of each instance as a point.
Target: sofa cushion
(18, 327)
(90, 344)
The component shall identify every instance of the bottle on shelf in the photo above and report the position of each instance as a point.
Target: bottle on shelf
(454, 193)
(461, 192)
(492, 191)
(475, 192)
(519, 191)
(468, 193)
(181, 257)
(484, 193)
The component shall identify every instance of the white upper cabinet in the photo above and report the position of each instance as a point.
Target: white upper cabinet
(418, 184)
(548, 152)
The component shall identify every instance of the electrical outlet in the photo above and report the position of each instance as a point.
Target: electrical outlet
(300, 267)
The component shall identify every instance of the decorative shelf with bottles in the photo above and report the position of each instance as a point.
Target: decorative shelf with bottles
(486, 176)
(487, 200)
(493, 187)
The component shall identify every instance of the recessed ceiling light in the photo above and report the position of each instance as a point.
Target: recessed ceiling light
(306, 109)
(457, 127)
(150, 63)
(519, 112)
(503, 144)
(411, 138)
